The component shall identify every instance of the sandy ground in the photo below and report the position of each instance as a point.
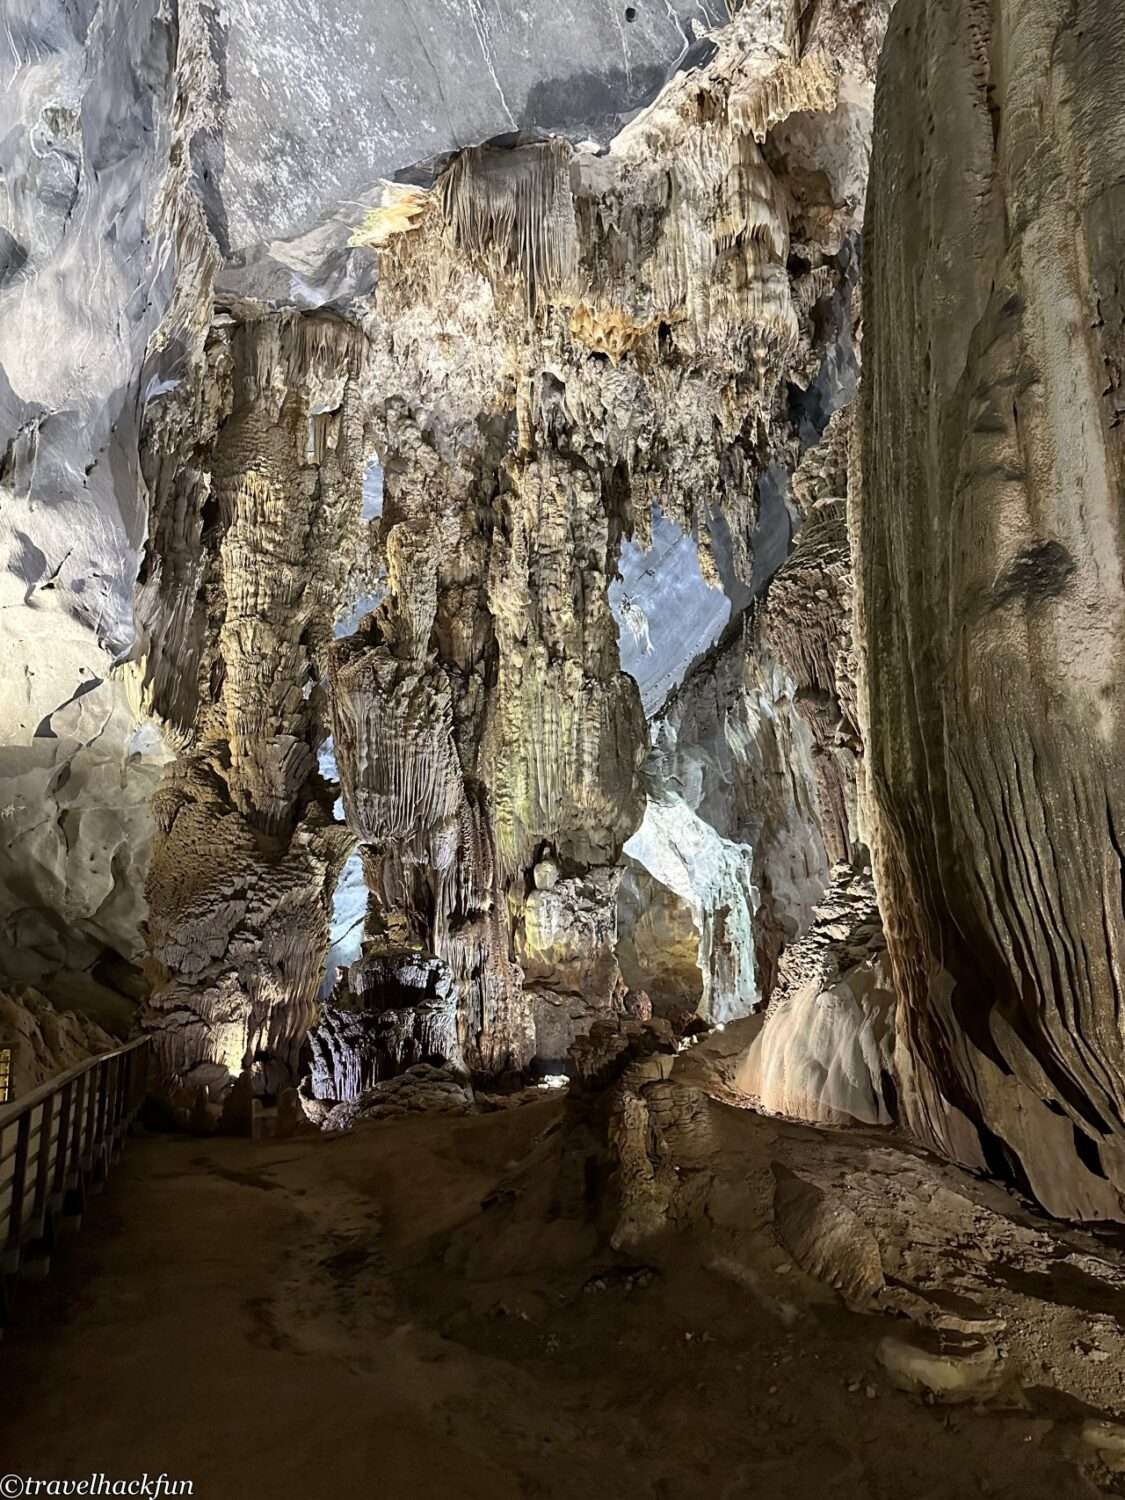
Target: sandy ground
(303, 1319)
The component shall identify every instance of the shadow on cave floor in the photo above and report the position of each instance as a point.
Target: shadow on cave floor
(1067, 1286)
(334, 1336)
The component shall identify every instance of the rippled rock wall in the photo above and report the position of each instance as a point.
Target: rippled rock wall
(991, 604)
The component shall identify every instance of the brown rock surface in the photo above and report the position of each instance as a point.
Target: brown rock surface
(990, 599)
(43, 1041)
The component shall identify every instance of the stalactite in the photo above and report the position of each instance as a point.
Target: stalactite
(513, 210)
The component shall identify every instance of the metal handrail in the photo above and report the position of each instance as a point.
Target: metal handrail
(60, 1137)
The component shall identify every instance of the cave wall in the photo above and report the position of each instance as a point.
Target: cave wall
(990, 608)
(105, 277)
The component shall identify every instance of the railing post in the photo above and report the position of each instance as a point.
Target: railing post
(63, 1149)
(74, 1155)
(104, 1070)
(128, 1066)
(19, 1183)
(101, 1147)
(74, 1201)
(119, 1095)
(88, 1135)
(140, 1085)
(43, 1161)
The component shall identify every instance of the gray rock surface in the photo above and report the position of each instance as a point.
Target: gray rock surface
(99, 267)
(321, 104)
(667, 612)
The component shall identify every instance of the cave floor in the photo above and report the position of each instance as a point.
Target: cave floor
(273, 1319)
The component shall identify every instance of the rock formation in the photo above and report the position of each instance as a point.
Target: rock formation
(562, 339)
(38, 1042)
(457, 603)
(581, 360)
(527, 587)
(160, 268)
(246, 854)
(989, 582)
(605, 336)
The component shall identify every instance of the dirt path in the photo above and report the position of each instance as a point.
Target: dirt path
(278, 1320)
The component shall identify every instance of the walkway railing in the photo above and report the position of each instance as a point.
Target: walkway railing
(58, 1139)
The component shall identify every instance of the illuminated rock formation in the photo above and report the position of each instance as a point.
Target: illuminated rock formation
(564, 338)
(246, 855)
(561, 348)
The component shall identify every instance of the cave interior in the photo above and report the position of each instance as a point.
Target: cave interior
(560, 662)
